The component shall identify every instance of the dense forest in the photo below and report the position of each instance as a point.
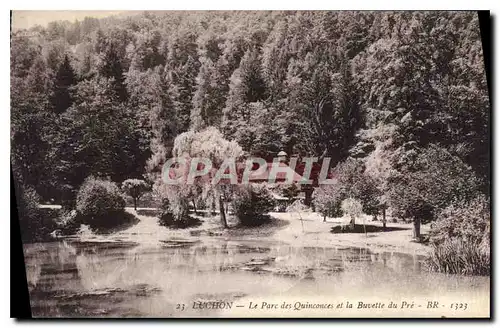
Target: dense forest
(403, 94)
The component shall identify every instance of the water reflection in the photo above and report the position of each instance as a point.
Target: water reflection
(71, 278)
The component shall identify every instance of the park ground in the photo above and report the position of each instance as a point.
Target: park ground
(305, 229)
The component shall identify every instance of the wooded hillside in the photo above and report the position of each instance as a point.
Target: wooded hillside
(107, 97)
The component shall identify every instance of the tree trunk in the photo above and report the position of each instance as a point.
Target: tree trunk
(416, 228)
(352, 224)
(324, 218)
(384, 220)
(308, 199)
(213, 208)
(194, 206)
(222, 212)
(135, 204)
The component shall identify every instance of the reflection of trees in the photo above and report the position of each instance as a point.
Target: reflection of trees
(33, 273)
(55, 257)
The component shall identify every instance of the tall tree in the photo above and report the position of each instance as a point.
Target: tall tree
(111, 68)
(99, 136)
(324, 104)
(208, 99)
(247, 86)
(65, 78)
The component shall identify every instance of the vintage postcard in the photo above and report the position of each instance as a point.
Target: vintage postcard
(251, 164)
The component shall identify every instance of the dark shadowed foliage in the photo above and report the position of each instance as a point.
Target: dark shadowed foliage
(36, 223)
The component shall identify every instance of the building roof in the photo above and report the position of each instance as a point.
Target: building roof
(284, 172)
(256, 175)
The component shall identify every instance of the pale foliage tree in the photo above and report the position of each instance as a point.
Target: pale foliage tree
(208, 144)
(353, 209)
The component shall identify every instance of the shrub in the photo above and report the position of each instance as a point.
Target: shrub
(35, 223)
(174, 208)
(100, 203)
(290, 191)
(27, 206)
(461, 238)
(286, 195)
(251, 202)
(468, 222)
(326, 201)
(170, 219)
(67, 194)
(351, 180)
(30, 218)
(68, 222)
(459, 256)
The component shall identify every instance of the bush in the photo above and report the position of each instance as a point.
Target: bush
(459, 256)
(290, 191)
(68, 222)
(100, 203)
(251, 202)
(326, 201)
(468, 222)
(351, 180)
(35, 224)
(67, 194)
(174, 208)
(168, 219)
(461, 238)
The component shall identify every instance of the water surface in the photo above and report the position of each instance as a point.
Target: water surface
(120, 279)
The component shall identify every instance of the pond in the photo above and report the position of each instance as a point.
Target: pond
(187, 277)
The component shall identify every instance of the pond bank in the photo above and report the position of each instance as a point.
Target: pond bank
(309, 230)
(300, 230)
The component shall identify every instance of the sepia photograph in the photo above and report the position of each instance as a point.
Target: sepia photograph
(252, 164)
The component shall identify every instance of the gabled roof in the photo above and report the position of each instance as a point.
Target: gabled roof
(256, 175)
(283, 172)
